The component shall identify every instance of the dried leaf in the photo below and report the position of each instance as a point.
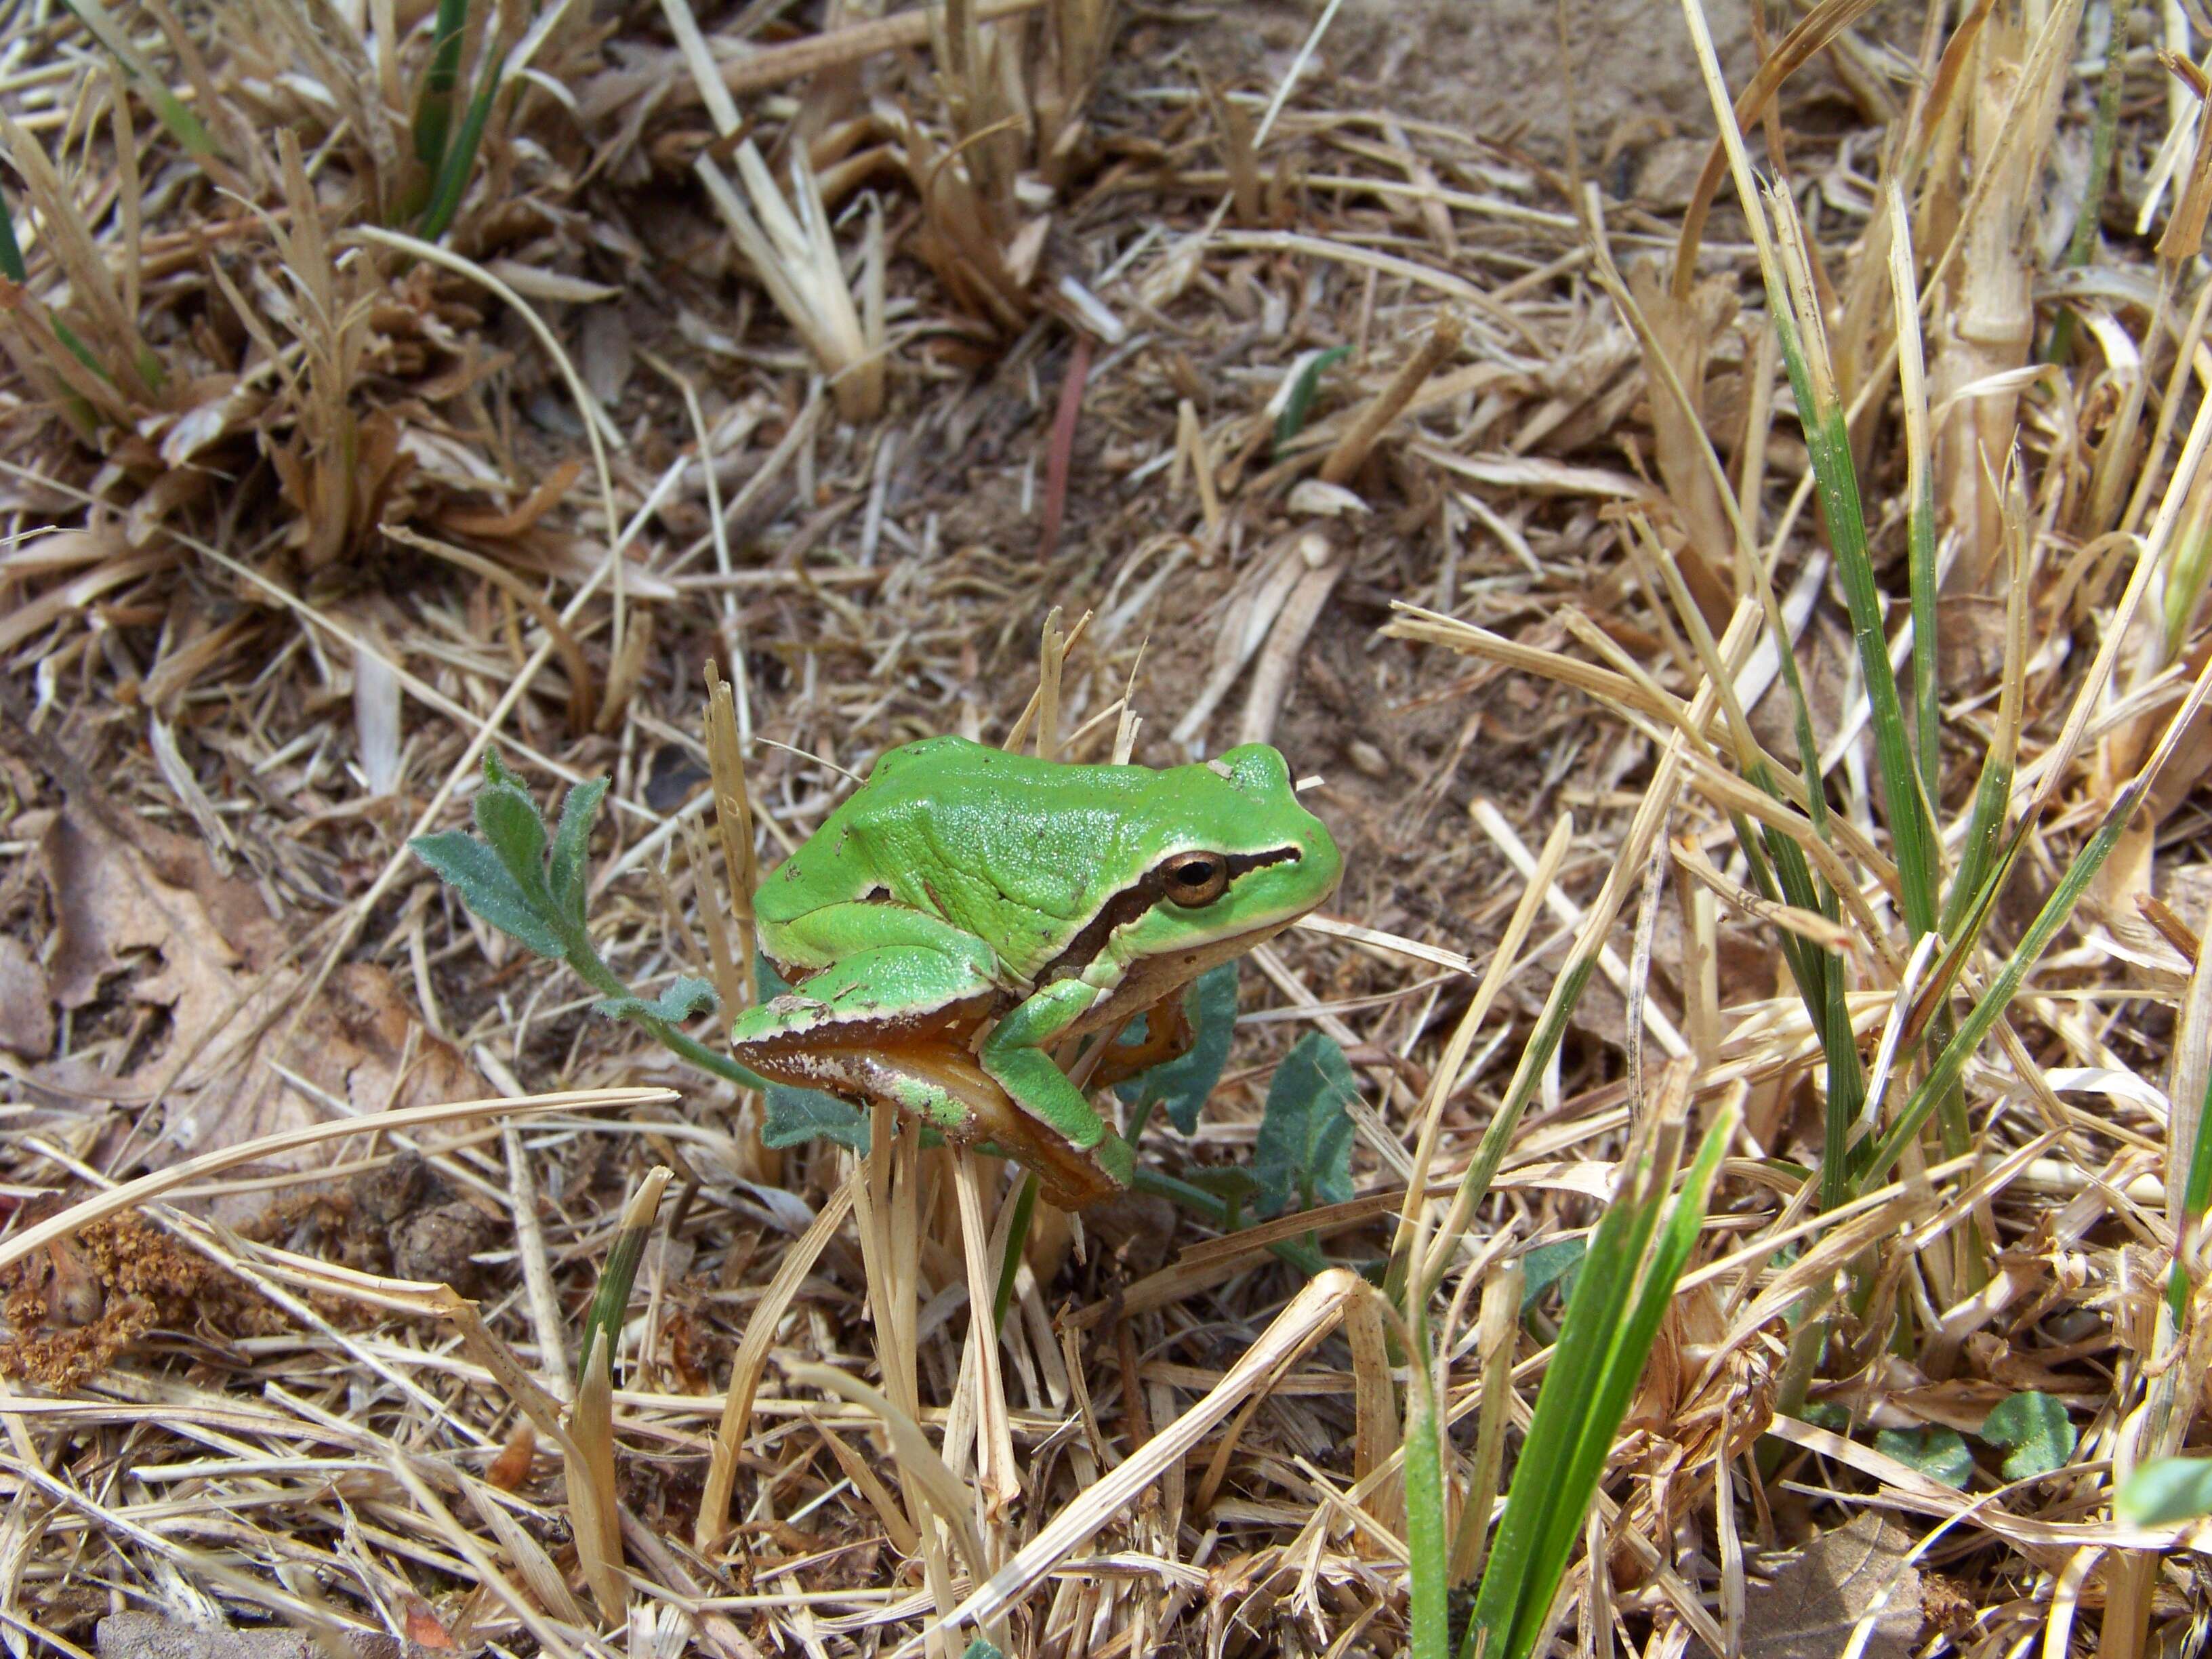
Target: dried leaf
(27, 1002)
(181, 938)
(1807, 1611)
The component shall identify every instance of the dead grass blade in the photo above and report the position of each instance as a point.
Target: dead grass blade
(1310, 1316)
(131, 1194)
(752, 1362)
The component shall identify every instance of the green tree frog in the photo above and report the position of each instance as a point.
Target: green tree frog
(966, 913)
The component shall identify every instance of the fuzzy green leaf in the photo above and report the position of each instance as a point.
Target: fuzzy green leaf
(474, 870)
(1548, 1265)
(768, 984)
(510, 821)
(1304, 1144)
(681, 999)
(2035, 1428)
(790, 1116)
(572, 847)
(1939, 1453)
(1182, 1084)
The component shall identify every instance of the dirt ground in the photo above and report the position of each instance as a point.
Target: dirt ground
(1223, 379)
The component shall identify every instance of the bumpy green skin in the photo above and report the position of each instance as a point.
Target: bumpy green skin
(962, 888)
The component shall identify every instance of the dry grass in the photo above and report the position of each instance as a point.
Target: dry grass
(1276, 414)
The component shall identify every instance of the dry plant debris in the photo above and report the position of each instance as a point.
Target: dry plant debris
(381, 384)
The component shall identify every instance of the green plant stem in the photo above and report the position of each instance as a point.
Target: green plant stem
(584, 960)
(1217, 1213)
(1809, 1339)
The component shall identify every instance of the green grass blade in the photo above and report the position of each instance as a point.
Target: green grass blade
(1920, 495)
(11, 251)
(2188, 1236)
(1920, 536)
(1789, 877)
(1017, 1234)
(168, 109)
(1509, 1582)
(604, 1321)
(1632, 1342)
(1427, 1559)
(1980, 856)
(1611, 1319)
(434, 106)
(1827, 440)
(1552, 1462)
(2104, 130)
(1551, 1028)
(1986, 853)
(1304, 388)
(1819, 979)
(461, 154)
(12, 267)
(1951, 1064)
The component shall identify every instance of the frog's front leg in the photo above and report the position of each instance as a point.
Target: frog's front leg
(1015, 1056)
(888, 1024)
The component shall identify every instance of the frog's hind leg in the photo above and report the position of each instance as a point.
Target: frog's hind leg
(838, 1032)
(848, 1028)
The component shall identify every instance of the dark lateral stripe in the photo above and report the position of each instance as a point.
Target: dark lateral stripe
(1140, 897)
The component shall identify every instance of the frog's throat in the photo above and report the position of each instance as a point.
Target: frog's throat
(1150, 981)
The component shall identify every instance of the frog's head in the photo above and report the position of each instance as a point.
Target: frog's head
(1232, 857)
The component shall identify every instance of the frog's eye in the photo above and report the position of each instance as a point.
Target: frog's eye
(1193, 878)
